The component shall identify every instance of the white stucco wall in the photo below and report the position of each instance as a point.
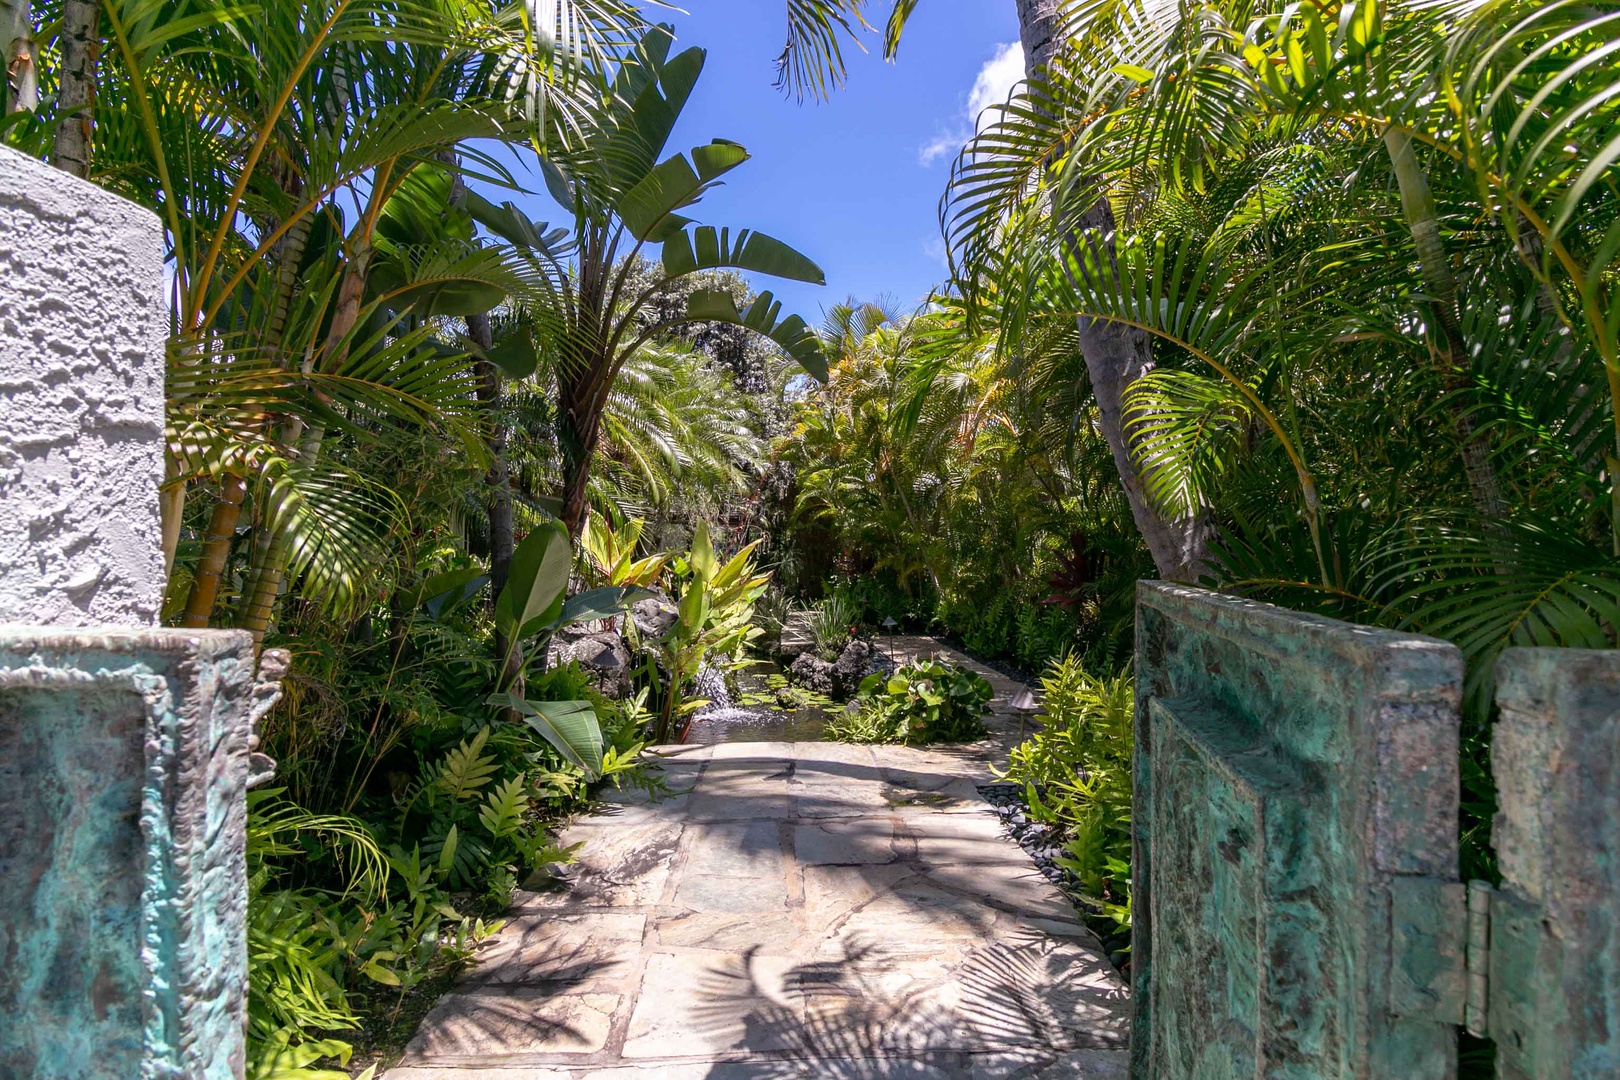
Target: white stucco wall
(82, 327)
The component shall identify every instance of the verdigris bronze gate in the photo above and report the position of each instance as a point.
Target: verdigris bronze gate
(1297, 909)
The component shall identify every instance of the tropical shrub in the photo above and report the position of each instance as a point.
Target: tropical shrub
(715, 612)
(952, 483)
(318, 948)
(925, 701)
(1076, 776)
(832, 624)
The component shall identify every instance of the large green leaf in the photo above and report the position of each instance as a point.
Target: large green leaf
(444, 591)
(515, 353)
(701, 559)
(795, 338)
(451, 278)
(533, 597)
(603, 603)
(708, 248)
(647, 97)
(570, 726)
(517, 228)
(674, 184)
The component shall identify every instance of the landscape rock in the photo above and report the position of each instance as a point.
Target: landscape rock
(653, 617)
(603, 657)
(839, 679)
(858, 660)
(813, 673)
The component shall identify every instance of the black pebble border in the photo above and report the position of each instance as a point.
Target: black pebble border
(1044, 844)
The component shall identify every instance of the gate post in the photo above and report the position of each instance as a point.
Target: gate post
(1554, 982)
(1296, 910)
(124, 749)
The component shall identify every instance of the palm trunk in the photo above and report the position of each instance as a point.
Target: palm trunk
(502, 537)
(265, 580)
(501, 534)
(1450, 351)
(81, 49)
(272, 552)
(580, 420)
(215, 552)
(1116, 356)
(19, 87)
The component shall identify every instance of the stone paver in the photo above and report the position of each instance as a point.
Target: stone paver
(793, 910)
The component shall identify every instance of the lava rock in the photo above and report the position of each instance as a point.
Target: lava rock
(603, 657)
(858, 660)
(813, 673)
(653, 617)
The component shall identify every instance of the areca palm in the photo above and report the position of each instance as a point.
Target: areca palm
(1356, 240)
(275, 143)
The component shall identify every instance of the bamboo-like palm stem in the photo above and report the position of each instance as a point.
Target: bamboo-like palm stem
(1450, 351)
(216, 551)
(19, 74)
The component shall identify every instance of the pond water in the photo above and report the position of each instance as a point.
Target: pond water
(757, 715)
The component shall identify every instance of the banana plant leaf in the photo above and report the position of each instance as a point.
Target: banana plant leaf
(708, 248)
(603, 603)
(537, 580)
(795, 338)
(676, 183)
(515, 354)
(517, 228)
(569, 726)
(443, 592)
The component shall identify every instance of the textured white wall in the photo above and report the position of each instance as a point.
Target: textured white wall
(82, 327)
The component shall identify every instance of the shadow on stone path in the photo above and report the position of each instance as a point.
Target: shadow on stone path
(793, 910)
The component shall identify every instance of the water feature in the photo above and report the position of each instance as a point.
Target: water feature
(765, 717)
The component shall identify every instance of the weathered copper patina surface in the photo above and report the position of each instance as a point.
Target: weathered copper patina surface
(1296, 816)
(123, 763)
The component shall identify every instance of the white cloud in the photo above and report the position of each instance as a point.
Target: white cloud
(995, 81)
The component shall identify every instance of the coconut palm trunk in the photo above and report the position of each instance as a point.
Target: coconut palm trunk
(1116, 356)
(81, 49)
(19, 76)
(497, 482)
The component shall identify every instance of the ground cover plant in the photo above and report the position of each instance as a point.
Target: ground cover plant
(1075, 776)
(924, 701)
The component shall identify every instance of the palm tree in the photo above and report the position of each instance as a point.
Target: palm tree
(80, 45)
(1306, 336)
(19, 74)
(591, 318)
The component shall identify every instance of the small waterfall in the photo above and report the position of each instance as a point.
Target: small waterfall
(710, 683)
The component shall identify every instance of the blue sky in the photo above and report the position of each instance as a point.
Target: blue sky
(854, 183)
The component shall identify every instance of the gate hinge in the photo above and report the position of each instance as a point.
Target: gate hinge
(1475, 1016)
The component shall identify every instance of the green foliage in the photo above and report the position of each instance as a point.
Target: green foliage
(535, 603)
(715, 610)
(1076, 775)
(925, 701)
(950, 481)
(317, 952)
(832, 623)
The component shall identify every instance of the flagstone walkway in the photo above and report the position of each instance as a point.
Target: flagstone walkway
(792, 910)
